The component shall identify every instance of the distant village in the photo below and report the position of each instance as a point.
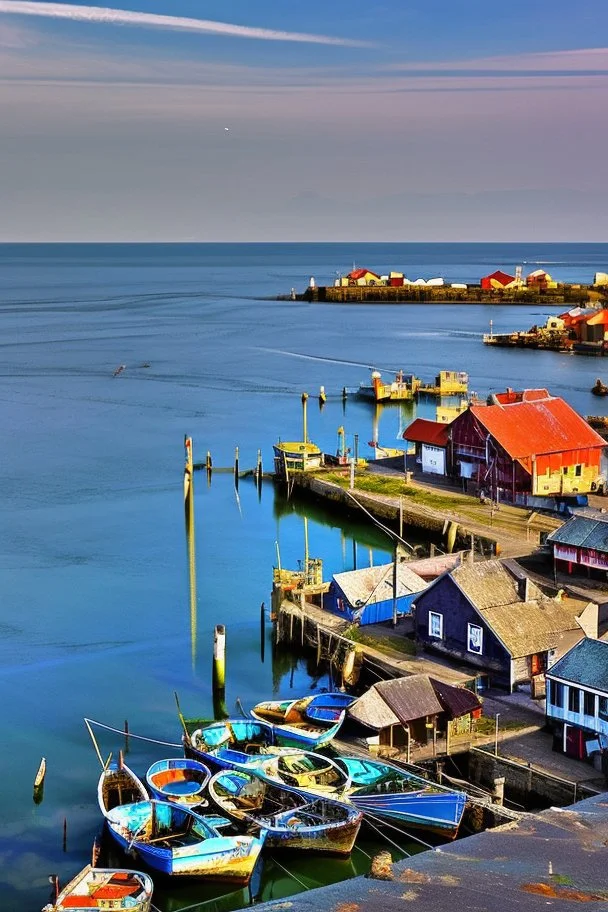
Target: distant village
(498, 280)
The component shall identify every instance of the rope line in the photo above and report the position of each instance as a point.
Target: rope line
(121, 731)
(289, 873)
(384, 836)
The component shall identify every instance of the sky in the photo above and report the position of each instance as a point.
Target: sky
(275, 120)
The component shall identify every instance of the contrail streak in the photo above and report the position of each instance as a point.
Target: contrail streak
(151, 20)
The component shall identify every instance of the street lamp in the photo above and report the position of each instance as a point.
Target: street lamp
(496, 715)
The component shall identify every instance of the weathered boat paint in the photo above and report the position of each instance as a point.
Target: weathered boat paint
(293, 819)
(311, 722)
(180, 780)
(105, 888)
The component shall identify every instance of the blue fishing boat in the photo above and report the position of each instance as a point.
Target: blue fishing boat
(246, 745)
(293, 819)
(310, 722)
(172, 839)
(383, 790)
(180, 780)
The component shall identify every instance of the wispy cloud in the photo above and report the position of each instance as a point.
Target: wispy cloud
(585, 61)
(108, 16)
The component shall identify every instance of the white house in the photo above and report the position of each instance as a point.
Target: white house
(577, 698)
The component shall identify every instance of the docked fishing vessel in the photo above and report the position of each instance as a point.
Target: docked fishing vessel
(178, 779)
(383, 790)
(310, 722)
(250, 746)
(104, 888)
(170, 838)
(300, 455)
(293, 819)
(402, 389)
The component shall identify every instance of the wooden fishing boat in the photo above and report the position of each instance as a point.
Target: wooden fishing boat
(178, 779)
(383, 790)
(172, 839)
(104, 888)
(247, 745)
(308, 722)
(293, 819)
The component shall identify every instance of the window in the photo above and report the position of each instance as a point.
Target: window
(565, 470)
(556, 694)
(578, 470)
(604, 708)
(474, 639)
(435, 625)
(574, 700)
(588, 703)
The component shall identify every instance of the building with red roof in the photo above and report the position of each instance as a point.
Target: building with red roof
(431, 440)
(498, 279)
(524, 444)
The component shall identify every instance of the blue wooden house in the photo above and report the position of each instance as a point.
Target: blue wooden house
(366, 596)
(491, 615)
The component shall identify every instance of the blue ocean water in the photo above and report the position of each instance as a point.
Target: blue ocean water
(94, 615)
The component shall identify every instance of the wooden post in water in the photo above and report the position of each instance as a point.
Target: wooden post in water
(236, 468)
(219, 671)
(262, 631)
(304, 421)
(209, 467)
(190, 538)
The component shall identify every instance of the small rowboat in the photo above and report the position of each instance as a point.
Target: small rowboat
(310, 722)
(170, 838)
(104, 888)
(383, 790)
(180, 780)
(292, 819)
(39, 780)
(245, 745)
(599, 388)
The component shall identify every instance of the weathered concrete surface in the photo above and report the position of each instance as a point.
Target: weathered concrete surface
(556, 859)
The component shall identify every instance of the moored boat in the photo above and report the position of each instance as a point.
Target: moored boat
(293, 819)
(308, 722)
(104, 888)
(383, 790)
(171, 838)
(249, 745)
(178, 779)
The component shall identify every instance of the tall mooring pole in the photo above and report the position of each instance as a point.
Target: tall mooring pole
(190, 540)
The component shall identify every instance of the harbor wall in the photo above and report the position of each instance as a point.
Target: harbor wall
(568, 295)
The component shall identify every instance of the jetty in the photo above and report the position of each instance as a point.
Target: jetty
(563, 294)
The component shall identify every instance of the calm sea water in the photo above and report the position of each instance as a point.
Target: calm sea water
(94, 614)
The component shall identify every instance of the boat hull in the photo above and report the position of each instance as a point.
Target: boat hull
(105, 888)
(435, 813)
(214, 858)
(179, 780)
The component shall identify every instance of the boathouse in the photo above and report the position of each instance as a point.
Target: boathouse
(362, 277)
(365, 596)
(581, 545)
(526, 445)
(491, 615)
(430, 439)
(577, 700)
(497, 280)
(413, 711)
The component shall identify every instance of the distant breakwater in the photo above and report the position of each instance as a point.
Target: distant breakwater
(568, 295)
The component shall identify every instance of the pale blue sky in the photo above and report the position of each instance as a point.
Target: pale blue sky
(428, 120)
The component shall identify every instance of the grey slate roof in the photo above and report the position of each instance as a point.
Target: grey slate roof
(400, 700)
(585, 664)
(583, 531)
(371, 710)
(456, 701)
(375, 584)
(488, 584)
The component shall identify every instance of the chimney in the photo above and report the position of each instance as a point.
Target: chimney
(523, 588)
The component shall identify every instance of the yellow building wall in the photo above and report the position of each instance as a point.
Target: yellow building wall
(565, 482)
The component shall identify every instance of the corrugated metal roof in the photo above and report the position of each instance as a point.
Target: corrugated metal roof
(586, 664)
(526, 628)
(410, 698)
(371, 710)
(538, 427)
(500, 276)
(375, 584)
(422, 430)
(456, 701)
(583, 531)
(487, 584)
